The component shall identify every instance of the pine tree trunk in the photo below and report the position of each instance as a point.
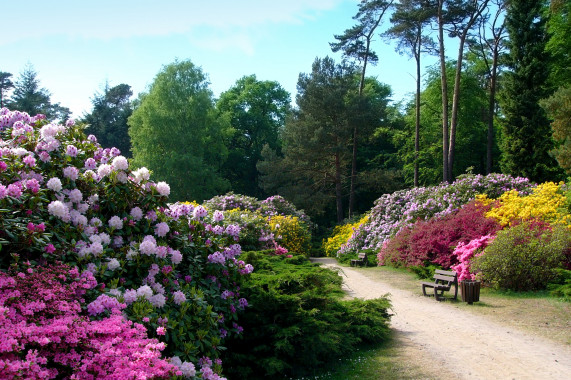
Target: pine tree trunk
(491, 112)
(417, 126)
(338, 188)
(444, 86)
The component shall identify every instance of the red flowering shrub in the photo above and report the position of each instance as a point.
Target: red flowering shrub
(433, 240)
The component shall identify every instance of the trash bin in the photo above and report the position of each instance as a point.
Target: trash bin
(470, 291)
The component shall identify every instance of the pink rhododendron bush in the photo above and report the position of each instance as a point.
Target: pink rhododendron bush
(99, 276)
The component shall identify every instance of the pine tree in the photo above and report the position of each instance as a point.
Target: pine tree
(527, 138)
(5, 85)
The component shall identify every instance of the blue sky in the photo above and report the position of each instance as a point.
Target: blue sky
(76, 46)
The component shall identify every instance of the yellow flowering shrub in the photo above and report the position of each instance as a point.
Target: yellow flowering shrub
(290, 233)
(340, 236)
(546, 202)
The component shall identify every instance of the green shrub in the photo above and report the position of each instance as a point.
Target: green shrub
(561, 285)
(524, 257)
(370, 259)
(297, 322)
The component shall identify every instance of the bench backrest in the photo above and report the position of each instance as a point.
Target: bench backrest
(362, 255)
(445, 276)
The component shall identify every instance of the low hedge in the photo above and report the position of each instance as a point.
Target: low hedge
(297, 321)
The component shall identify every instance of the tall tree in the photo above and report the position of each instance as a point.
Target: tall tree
(463, 15)
(559, 43)
(558, 107)
(488, 46)
(256, 111)
(29, 97)
(175, 133)
(108, 119)
(471, 144)
(316, 139)
(457, 18)
(440, 21)
(526, 133)
(356, 43)
(409, 20)
(5, 86)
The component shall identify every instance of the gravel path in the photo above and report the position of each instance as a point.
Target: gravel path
(453, 342)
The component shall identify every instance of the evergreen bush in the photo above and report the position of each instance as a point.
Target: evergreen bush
(296, 321)
(525, 256)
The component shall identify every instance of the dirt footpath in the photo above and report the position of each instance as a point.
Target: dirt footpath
(457, 344)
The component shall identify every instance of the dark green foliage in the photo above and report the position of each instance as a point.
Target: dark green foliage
(471, 136)
(316, 140)
(526, 133)
(424, 272)
(559, 44)
(175, 133)
(5, 85)
(314, 170)
(108, 119)
(561, 285)
(296, 321)
(558, 108)
(524, 257)
(256, 111)
(29, 97)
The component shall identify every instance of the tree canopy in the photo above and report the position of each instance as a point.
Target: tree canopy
(256, 111)
(175, 132)
(28, 96)
(108, 119)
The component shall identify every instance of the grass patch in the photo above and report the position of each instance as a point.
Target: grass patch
(381, 361)
(535, 312)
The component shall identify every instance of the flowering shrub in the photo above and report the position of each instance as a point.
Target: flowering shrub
(341, 234)
(232, 201)
(525, 256)
(261, 222)
(274, 205)
(64, 198)
(278, 205)
(433, 240)
(41, 325)
(401, 208)
(291, 234)
(255, 233)
(465, 254)
(546, 202)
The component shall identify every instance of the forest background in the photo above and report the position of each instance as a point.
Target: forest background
(502, 105)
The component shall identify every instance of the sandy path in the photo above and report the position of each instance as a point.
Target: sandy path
(457, 342)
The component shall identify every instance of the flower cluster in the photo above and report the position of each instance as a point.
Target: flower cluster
(402, 208)
(232, 201)
(258, 220)
(466, 252)
(545, 202)
(291, 233)
(41, 325)
(341, 234)
(70, 200)
(433, 240)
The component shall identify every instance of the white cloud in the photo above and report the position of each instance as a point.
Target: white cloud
(108, 19)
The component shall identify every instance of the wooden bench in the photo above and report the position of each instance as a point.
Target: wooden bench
(443, 281)
(361, 260)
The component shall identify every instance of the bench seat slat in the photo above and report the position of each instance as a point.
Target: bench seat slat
(444, 278)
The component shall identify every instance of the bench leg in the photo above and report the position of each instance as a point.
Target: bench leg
(424, 290)
(436, 294)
